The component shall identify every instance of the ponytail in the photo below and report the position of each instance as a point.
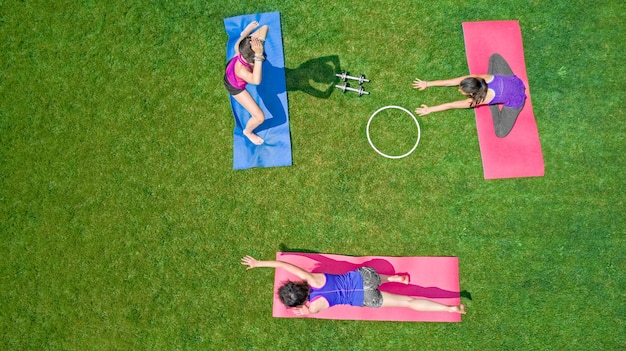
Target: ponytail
(476, 88)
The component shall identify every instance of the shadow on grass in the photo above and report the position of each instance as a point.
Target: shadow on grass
(315, 77)
(466, 294)
(283, 248)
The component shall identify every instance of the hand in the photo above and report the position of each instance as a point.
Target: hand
(249, 261)
(420, 84)
(424, 110)
(257, 46)
(301, 311)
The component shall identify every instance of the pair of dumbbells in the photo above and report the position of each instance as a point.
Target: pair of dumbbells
(344, 76)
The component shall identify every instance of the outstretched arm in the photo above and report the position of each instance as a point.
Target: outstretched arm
(423, 84)
(424, 110)
(311, 278)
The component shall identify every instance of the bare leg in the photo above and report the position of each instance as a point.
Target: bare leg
(404, 279)
(256, 116)
(393, 300)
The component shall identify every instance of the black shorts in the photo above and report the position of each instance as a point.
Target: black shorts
(231, 89)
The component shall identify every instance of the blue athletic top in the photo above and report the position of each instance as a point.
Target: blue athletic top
(509, 91)
(341, 289)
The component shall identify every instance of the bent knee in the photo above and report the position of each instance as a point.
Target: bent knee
(260, 117)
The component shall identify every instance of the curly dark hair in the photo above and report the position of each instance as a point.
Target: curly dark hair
(294, 294)
(476, 88)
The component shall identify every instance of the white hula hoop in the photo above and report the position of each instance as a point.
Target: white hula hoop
(419, 132)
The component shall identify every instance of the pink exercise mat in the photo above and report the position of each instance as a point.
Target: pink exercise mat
(434, 278)
(519, 153)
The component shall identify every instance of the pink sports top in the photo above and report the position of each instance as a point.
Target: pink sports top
(230, 72)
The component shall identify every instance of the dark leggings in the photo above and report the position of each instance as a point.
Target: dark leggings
(503, 119)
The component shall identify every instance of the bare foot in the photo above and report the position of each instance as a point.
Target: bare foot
(255, 139)
(459, 309)
(404, 279)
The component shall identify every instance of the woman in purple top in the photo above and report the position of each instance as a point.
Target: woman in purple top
(319, 291)
(246, 67)
(499, 87)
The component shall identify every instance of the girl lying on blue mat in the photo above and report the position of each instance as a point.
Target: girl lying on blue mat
(246, 68)
(319, 291)
(499, 86)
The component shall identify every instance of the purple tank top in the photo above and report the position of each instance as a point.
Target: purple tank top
(233, 79)
(509, 91)
(341, 289)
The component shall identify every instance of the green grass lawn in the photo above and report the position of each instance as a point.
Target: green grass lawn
(122, 222)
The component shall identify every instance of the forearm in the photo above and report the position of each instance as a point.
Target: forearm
(295, 270)
(251, 262)
(450, 105)
(247, 31)
(445, 82)
(269, 264)
(257, 73)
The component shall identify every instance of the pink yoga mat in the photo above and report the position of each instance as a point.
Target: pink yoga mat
(434, 278)
(519, 153)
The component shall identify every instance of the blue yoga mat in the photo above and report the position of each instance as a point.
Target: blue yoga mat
(271, 95)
